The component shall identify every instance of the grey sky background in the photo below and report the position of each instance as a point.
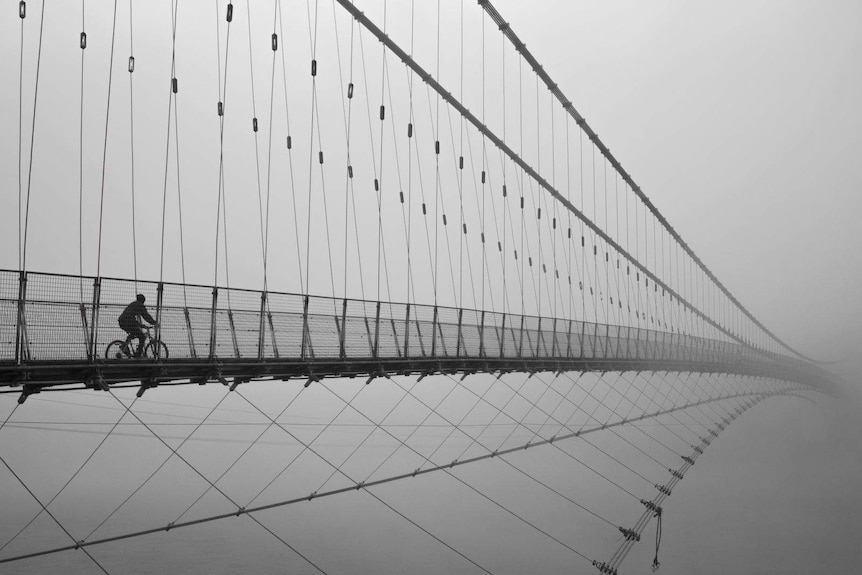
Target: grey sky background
(741, 122)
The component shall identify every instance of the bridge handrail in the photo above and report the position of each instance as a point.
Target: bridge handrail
(55, 319)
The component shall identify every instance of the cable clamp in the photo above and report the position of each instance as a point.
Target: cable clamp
(651, 506)
(629, 534)
(169, 525)
(415, 471)
(675, 473)
(688, 460)
(240, 511)
(663, 489)
(360, 485)
(604, 568)
(698, 449)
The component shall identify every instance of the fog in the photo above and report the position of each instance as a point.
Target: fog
(739, 120)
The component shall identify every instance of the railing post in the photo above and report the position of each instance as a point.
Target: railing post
(376, 330)
(19, 327)
(482, 335)
(503, 337)
(94, 326)
(407, 332)
(583, 336)
(160, 292)
(554, 343)
(192, 351)
(85, 328)
(261, 338)
(596, 340)
(342, 352)
(233, 333)
(539, 337)
(521, 338)
(569, 340)
(213, 323)
(272, 335)
(304, 327)
(458, 341)
(434, 334)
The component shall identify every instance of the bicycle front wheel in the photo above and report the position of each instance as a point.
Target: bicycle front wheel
(117, 349)
(156, 350)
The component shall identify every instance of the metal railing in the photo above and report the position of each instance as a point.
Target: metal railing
(61, 318)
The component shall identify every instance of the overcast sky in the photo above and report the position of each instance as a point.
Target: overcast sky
(741, 122)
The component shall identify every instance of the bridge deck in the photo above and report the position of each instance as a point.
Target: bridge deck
(54, 329)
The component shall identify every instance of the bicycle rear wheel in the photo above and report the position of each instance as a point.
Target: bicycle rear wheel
(156, 350)
(117, 349)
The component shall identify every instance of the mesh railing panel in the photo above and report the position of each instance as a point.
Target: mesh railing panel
(59, 321)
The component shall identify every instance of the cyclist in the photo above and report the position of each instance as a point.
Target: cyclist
(128, 320)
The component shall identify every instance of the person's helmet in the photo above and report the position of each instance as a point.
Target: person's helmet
(141, 298)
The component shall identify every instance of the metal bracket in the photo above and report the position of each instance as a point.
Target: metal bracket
(29, 389)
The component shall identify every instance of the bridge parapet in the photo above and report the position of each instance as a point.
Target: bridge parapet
(55, 320)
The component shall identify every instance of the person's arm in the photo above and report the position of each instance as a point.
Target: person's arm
(146, 315)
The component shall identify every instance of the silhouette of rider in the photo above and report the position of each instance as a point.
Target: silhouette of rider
(128, 320)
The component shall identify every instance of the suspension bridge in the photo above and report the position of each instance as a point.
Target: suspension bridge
(330, 199)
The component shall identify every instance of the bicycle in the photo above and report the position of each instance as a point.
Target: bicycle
(152, 348)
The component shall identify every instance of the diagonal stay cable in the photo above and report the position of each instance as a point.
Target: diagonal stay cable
(475, 440)
(254, 442)
(73, 476)
(77, 544)
(374, 428)
(529, 443)
(225, 495)
(427, 532)
(447, 470)
(622, 418)
(159, 468)
(522, 519)
(339, 470)
(8, 417)
(305, 446)
(366, 485)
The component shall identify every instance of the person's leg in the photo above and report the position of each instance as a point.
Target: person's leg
(134, 332)
(141, 337)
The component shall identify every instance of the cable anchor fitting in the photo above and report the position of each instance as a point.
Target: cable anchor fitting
(604, 568)
(651, 506)
(663, 489)
(629, 534)
(29, 389)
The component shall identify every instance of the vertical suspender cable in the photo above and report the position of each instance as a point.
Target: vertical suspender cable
(131, 137)
(22, 15)
(105, 148)
(289, 142)
(23, 251)
(81, 162)
(256, 145)
(222, 98)
(171, 100)
(269, 147)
